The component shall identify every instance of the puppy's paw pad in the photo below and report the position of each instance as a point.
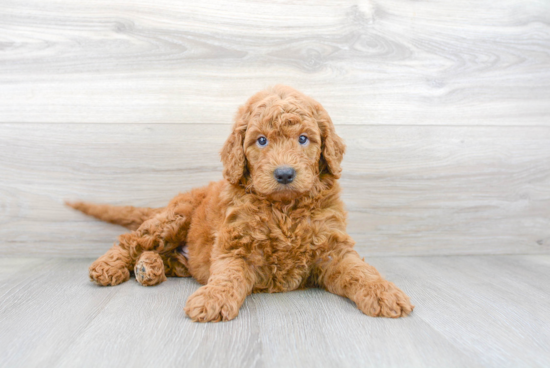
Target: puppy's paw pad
(149, 270)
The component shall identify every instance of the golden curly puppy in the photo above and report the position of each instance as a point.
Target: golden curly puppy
(275, 223)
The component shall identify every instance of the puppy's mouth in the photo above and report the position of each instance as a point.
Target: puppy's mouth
(268, 185)
(285, 192)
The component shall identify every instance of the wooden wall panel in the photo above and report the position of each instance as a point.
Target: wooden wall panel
(398, 62)
(444, 106)
(410, 190)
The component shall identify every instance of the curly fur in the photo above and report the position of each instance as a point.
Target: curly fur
(248, 233)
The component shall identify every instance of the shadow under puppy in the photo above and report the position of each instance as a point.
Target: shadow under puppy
(274, 223)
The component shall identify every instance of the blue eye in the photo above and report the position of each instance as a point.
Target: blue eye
(261, 141)
(303, 140)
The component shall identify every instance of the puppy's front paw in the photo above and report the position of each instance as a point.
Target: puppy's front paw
(211, 304)
(384, 299)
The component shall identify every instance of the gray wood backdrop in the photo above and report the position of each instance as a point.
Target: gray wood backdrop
(444, 106)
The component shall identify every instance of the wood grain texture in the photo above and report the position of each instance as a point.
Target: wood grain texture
(443, 104)
(504, 298)
(470, 312)
(409, 190)
(43, 309)
(14, 266)
(369, 62)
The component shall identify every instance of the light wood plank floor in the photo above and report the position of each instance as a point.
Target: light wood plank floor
(488, 311)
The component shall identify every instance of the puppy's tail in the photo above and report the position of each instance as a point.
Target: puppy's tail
(127, 216)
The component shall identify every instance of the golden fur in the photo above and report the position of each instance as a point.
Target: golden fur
(248, 233)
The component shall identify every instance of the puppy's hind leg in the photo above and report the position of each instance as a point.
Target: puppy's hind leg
(175, 263)
(153, 268)
(149, 269)
(112, 268)
(161, 234)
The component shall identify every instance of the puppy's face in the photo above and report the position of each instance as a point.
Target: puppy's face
(283, 143)
(283, 152)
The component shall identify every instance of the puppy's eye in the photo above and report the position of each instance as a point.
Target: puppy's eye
(303, 140)
(261, 141)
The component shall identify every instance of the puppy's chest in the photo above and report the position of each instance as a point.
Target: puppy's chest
(283, 254)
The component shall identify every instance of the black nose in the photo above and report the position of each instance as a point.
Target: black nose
(284, 174)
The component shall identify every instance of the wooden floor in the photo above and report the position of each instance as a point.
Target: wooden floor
(488, 311)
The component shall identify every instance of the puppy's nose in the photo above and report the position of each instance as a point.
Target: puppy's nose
(284, 174)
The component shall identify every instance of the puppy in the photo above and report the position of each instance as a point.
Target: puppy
(274, 223)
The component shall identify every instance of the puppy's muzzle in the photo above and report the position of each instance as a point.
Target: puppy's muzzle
(284, 174)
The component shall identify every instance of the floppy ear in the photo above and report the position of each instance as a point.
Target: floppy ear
(332, 147)
(232, 153)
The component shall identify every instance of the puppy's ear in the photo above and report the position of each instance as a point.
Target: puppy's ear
(333, 147)
(232, 153)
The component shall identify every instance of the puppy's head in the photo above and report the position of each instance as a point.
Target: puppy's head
(283, 143)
